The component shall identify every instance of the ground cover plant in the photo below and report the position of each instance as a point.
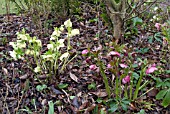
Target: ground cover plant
(73, 64)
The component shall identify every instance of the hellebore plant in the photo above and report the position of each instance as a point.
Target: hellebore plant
(121, 67)
(52, 61)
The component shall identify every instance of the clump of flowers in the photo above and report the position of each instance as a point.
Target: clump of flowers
(52, 61)
(120, 66)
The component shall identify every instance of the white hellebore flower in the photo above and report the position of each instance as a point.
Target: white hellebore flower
(68, 23)
(75, 32)
(61, 43)
(13, 54)
(50, 46)
(156, 8)
(49, 57)
(39, 43)
(21, 44)
(64, 56)
(56, 33)
(37, 69)
(61, 28)
(12, 44)
(27, 52)
(22, 37)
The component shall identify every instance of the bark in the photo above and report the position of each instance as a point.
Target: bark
(117, 14)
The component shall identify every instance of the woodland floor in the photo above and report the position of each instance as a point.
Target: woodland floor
(18, 84)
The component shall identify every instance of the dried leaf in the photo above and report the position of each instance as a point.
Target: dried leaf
(73, 77)
(5, 71)
(56, 91)
(23, 77)
(75, 102)
(100, 94)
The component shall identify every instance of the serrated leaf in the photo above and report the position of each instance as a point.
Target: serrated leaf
(166, 100)
(161, 94)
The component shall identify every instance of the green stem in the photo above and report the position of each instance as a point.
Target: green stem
(117, 87)
(131, 87)
(138, 84)
(126, 95)
(104, 79)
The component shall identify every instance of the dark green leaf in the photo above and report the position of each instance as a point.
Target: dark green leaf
(135, 75)
(41, 87)
(141, 112)
(124, 106)
(137, 21)
(161, 94)
(166, 100)
(92, 86)
(62, 86)
(113, 108)
(167, 71)
(157, 37)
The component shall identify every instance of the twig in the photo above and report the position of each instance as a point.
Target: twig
(140, 12)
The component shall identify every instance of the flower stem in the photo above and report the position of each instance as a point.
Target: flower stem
(104, 79)
(138, 84)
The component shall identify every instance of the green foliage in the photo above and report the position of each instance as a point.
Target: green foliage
(141, 112)
(142, 50)
(129, 79)
(41, 87)
(62, 86)
(166, 31)
(164, 95)
(51, 107)
(137, 21)
(92, 86)
(51, 60)
(115, 104)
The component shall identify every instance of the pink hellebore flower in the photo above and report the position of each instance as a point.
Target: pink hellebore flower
(84, 52)
(109, 66)
(126, 79)
(123, 66)
(92, 67)
(114, 53)
(158, 26)
(151, 69)
(88, 60)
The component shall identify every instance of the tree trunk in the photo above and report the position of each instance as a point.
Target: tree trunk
(118, 27)
(117, 14)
